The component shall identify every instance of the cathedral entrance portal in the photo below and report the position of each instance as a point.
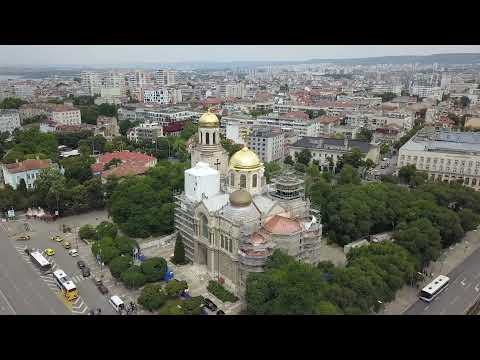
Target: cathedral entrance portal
(202, 254)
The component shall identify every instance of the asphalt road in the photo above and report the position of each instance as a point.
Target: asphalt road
(462, 292)
(20, 282)
(22, 291)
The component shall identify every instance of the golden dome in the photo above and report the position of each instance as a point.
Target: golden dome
(245, 160)
(240, 198)
(208, 119)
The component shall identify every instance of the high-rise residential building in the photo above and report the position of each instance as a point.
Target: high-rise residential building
(9, 120)
(114, 79)
(91, 82)
(164, 77)
(156, 95)
(269, 143)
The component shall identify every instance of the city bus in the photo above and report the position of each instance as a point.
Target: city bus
(432, 290)
(39, 260)
(67, 286)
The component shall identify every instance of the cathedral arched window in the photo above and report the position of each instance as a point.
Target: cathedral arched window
(232, 179)
(243, 181)
(207, 138)
(201, 138)
(204, 225)
(254, 180)
(214, 139)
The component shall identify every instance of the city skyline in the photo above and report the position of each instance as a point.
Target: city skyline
(39, 55)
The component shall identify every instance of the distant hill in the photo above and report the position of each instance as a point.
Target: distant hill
(447, 59)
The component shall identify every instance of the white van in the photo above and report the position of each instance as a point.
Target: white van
(117, 304)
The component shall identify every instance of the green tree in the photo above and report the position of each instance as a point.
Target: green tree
(272, 168)
(179, 251)
(133, 278)
(365, 135)
(194, 305)
(119, 265)
(348, 175)
(78, 167)
(384, 149)
(172, 308)
(304, 157)
(469, 219)
(106, 229)
(353, 158)
(87, 232)
(386, 97)
(152, 297)
(154, 269)
(11, 103)
(288, 160)
(174, 288)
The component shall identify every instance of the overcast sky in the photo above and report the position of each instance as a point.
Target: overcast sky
(123, 54)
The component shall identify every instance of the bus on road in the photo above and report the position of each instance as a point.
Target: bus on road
(39, 260)
(67, 286)
(432, 290)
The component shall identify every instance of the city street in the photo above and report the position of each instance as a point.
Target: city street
(463, 291)
(22, 284)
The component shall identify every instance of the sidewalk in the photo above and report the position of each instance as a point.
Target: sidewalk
(450, 259)
(114, 286)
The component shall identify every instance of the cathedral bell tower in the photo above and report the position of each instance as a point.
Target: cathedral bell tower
(209, 148)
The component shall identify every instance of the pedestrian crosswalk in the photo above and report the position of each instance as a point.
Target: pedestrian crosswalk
(78, 306)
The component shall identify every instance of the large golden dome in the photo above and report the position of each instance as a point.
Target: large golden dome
(245, 160)
(240, 198)
(208, 119)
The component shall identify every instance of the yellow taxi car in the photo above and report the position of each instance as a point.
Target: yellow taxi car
(50, 252)
(67, 245)
(56, 238)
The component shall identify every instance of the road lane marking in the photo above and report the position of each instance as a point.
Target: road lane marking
(477, 288)
(443, 312)
(427, 307)
(455, 300)
(8, 303)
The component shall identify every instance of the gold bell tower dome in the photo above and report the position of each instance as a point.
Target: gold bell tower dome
(208, 120)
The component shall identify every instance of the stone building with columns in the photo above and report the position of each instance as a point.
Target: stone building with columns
(232, 224)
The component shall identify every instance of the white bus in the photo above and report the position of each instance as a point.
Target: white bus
(67, 286)
(39, 260)
(431, 291)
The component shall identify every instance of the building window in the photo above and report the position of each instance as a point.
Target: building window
(230, 245)
(254, 180)
(232, 179)
(243, 181)
(201, 138)
(214, 138)
(222, 241)
(204, 226)
(207, 138)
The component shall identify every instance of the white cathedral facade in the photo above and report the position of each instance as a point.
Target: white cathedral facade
(231, 220)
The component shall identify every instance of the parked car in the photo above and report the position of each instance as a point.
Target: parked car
(67, 245)
(56, 238)
(81, 264)
(86, 271)
(50, 252)
(73, 253)
(210, 305)
(99, 283)
(23, 238)
(27, 251)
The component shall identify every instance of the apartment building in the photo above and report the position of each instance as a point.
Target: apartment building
(157, 96)
(114, 80)
(91, 82)
(164, 77)
(146, 132)
(163, 116)
(268, 144)
(387, 88)
(301, 126)
(444, 155)
(107, 127)
(9, 120)
(30, 110)
(24, 91)
(65, 115)
(427, 91)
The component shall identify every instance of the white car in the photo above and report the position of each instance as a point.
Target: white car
(73, 252)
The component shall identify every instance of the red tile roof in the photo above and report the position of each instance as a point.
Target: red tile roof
(133, 163)
(324, 119)
(173, 127)
(27, 165)
(297, 115)
(282, 225)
